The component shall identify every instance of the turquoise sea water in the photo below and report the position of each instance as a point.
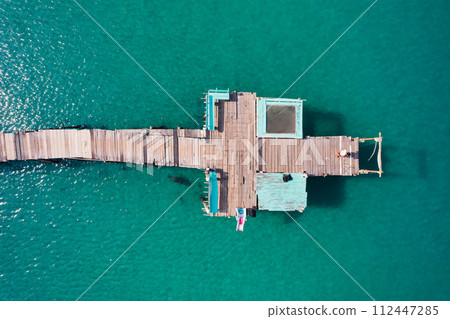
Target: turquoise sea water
(63, 225)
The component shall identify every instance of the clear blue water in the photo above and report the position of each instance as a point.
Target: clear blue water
(63, 225)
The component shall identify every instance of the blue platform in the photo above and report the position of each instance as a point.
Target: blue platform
(213, 193)
(211, 98)
(276, 195)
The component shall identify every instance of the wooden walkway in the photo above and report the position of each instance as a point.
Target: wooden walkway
(232, 150)
(159, 147)
(315, 156)
(234, 143)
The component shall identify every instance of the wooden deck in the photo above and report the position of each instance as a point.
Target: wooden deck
(315, 156)
(235, 142)
(159, 147)
(232, 149)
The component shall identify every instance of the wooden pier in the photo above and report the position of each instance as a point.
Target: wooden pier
(232, 149)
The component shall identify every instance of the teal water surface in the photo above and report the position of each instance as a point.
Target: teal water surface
(63, 225)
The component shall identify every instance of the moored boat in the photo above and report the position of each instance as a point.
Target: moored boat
(241, 217)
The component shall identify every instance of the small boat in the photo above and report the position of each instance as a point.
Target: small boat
(241, 217)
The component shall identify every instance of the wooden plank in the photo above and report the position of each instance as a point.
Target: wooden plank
(335, 149)
(327, 156)
(118, 145)
(139, 148)
(84, 141)
(10, 147)
(33, 145)
(18, 146)
(72, 144)
(2, 147)
(42, 145)
(62, 143)
(52, 143)
(110, 146)
(26, 145)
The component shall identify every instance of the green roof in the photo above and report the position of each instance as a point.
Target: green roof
(276, 195)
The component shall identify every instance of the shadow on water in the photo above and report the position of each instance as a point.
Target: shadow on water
(326, 191)
(318, 123)
(18, 165)
(180, 180)
(421, 163)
